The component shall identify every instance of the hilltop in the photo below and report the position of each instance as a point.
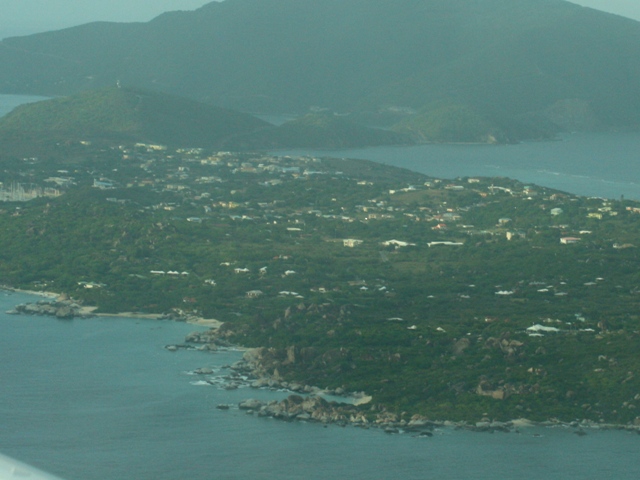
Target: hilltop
(127, 114)
(527, 68)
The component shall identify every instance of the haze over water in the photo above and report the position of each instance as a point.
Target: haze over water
(589, 164)
(9, 102)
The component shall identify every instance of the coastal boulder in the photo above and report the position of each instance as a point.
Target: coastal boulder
(65, 311)
(250, 404)
(460, 346)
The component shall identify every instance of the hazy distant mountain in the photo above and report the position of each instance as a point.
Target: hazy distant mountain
(135, 115)
(323, 130)
(525, 67)
(127, 114)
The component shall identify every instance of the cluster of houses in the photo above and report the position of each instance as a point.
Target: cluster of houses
(201, 177)
(173, 273)
(216, 184)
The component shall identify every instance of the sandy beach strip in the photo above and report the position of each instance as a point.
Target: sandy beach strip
(30, 292)
(91, 311)
(205, 322)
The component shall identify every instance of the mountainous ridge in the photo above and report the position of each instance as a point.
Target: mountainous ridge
(324, 130)
(509, 60)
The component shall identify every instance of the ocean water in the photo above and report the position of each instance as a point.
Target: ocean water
(595, 164)
(103, 399)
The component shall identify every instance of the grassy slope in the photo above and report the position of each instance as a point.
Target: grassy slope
(129, 114)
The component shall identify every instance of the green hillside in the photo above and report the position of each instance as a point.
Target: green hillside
(451, 123)
(128, 114)
(509, 60)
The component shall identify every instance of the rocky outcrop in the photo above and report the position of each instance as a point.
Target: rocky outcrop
(64, 309)
(210, 339)
(310, 409)
(315, 409)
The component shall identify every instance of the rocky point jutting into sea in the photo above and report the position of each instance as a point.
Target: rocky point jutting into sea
(259, 370)
(61, 308)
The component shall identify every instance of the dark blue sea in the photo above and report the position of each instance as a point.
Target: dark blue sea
(102, 399)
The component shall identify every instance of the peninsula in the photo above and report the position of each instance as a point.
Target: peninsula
(457, 299)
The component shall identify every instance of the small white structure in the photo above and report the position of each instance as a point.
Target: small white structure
(569, 240)
(397, 243)
(537, 328)
(447, 244)
(352, 242)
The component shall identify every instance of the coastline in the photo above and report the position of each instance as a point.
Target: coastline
(30, 292)
(190, 319)
(89, 311)
(328, 411)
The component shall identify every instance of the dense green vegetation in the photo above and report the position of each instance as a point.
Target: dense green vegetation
(342, 263)
(526, 67)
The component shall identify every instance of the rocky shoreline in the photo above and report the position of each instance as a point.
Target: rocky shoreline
(306, 403)
(62, 309)
(316, 409)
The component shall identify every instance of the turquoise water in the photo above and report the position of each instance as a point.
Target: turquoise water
(598, 164)
(102, 399)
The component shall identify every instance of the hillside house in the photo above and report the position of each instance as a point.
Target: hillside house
(352, 242)
(569, 240)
